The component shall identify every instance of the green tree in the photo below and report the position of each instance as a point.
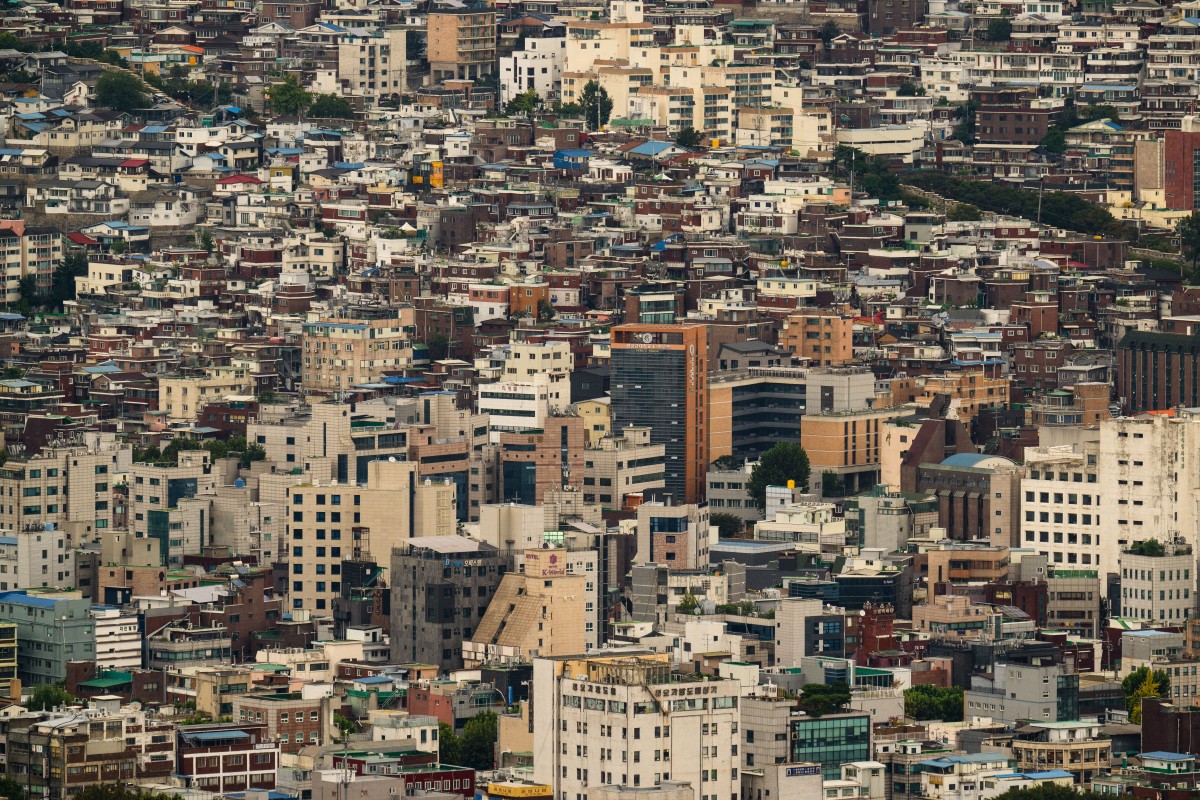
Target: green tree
(1142, 684)
(963, 212)
(1050, 791)
(479, 741)
(784, 462)
(1148, 547)
(729, 525)
(568, 110)
(330, 106)
(688, 137)
(595, 104)
(1089, 113)
(11, 790)
(114, 58)
(923, 702)
(27, 288)
(48, 696)
(910, 89)
(205, 241)
(524, 104)
(545, 310)
(828, 32)
(344, 724)
(120, 791)
(1055, 141)
(832, 484)
(414, 45)
(9, 41)
(449, 746)
(1188, 231)
(119, 247)
(818, 699)
(726, 464)
(439, 346)
(999, 30)
(62, 283)
(252, 453)
(964, 129)
(688, 604)
(289, 98)
(120, 91)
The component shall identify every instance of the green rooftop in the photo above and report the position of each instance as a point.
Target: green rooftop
(108, 680)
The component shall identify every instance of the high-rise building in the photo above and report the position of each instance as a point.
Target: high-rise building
(55, 500)
(534, 462)
(660, 381)
(628, 719)
(1181, 154)
(462, 43)
(331, 522)
(441, 587)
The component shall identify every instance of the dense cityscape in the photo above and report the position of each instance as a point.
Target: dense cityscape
(599, 400)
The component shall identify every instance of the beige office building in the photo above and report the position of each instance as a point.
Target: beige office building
(329, 522)
(619, 466)
(538, 613)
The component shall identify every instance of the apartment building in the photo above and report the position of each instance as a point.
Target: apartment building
(847, 444)
(1076, 747)
(1035, 691)
(163, 504)
(522, 404)
(625, 719)
(292, 719)
(184, 397)
(52, 501)
(231, 757)
(52, 629)
(372, 64)
(340, 354)
(329, 442)
(60, 755)
(461, 43)
(28, 250)
(823, 336)
(659, 381)
(329, 523)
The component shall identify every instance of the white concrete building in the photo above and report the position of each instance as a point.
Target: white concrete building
(626, 719)
(1158, 589)
(1060, 508)
(118, 640)
(523, 405)
(539, 67)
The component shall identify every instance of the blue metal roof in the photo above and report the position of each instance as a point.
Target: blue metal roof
(1163, 755)
(23, 598)
(964, 459)
(373, 679)
(651, 148)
